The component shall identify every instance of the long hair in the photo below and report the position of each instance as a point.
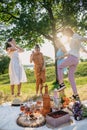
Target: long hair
(10, 39)
(68, 31)
(7, 43)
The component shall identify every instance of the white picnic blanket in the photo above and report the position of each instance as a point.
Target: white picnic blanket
(9, 115)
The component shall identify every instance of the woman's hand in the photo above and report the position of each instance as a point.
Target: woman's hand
(8, 49)
(58, 58)
(19, 49)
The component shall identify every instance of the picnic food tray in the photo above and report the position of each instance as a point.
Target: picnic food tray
(33, 122)
(57, 118)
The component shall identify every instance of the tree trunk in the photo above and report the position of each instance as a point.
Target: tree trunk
(56, 66)
(57, 45)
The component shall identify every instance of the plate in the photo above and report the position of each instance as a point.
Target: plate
(33, 123)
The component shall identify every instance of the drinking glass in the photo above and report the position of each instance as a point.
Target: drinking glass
(22, 108)
(27, 113)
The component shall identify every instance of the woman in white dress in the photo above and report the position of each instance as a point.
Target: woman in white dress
(16, 71)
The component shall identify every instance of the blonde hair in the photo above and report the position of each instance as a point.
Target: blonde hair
(68, 32)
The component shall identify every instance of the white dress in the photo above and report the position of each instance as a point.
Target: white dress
(16, 71)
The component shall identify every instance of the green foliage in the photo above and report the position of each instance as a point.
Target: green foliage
(84, 109)
(30, 20)
(81, 69)
(30, 76)
(28, 89)
(4, 79)
(50, 73)
(4, 63)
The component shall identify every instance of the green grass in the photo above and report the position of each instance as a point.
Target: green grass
(28, 89)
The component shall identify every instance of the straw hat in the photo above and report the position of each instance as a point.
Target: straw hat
(16, 101)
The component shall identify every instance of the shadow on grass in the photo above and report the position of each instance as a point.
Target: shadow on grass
(4, 82)
(4, 79)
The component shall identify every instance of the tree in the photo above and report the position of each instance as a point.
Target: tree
(34, 20)
(4, 63)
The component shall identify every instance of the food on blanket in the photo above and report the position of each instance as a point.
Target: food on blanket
(22, 108)
(84, 109)
(66, 102)
(34, 121)
(39, 102)
(77, 110)
(32, 117)
(37, 110)
(17, 101)
(57, 118)
(57, 114)
(27, 111)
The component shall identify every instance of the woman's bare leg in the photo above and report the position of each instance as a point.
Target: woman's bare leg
(19, 89)
(37, 86)
(41, 87)
(12, 89)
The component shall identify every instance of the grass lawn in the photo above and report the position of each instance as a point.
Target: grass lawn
(28, 89)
